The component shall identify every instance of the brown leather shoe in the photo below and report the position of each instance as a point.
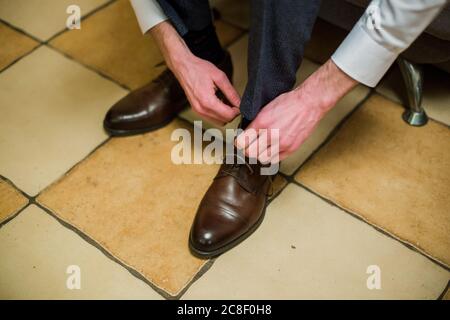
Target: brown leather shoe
(152, 106)
(231, 210)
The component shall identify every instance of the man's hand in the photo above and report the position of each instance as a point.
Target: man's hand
(199, 78)
(295, 114)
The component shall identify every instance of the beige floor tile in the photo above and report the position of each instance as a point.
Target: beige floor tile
(239, 55)
(14, 45)
(393, 175)
(119, 50)
(52, 112)
(236, 12)
(11, 200)
(42, 18)
(133, 200)
(436, 93)
(309, 249)
(36, 252)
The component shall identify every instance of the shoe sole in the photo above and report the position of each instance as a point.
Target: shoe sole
(124, 133)
(215, 253)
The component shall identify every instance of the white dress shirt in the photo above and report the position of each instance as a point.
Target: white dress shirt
(386, 29)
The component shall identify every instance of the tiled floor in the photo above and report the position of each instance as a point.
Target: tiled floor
(300, 233)
(52, 111)
(43, 19)
(14, 45)
(364, 191)
(11, 200)
(401, 187)
(119, 50)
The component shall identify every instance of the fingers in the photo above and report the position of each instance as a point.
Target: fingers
(209, 105)
(246, 138)
(260, 143)
(266, 155)
(198, 108)
(212, 109)
(225, 86)
(221, 110)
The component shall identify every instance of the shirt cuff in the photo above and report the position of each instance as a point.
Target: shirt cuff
(362, 58)
(148, 14)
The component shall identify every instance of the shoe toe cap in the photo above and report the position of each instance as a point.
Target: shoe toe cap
(214, 229)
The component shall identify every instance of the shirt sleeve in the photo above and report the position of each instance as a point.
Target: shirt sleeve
(387, 28)
(148, 13)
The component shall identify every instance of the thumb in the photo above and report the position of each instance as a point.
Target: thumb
(225, 86)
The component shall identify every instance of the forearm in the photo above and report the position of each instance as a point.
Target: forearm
(171, 45)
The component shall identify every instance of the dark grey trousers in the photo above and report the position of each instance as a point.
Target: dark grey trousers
(279, 32)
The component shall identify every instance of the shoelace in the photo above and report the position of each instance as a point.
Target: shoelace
(236, 164)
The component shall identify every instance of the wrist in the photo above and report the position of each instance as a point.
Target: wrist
(336, 82)
(171, 45)
(327, 85)
(177, 57)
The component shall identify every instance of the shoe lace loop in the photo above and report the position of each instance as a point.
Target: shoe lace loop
(236, 163)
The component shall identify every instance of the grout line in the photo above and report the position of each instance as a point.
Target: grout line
(208, 265)
(20, 30)
(287, 177)
(11, 217)
(197, 276)
(40, 42)
(97, 245)
(16, 187)
(101, 144)
(87, 15)
(87, 238)
(84, 236)
(291, 179)
(32, 200)
(446, 289)
(28, 197)
(377, 228)
(38, 45)
(104, 75)
(98, 72)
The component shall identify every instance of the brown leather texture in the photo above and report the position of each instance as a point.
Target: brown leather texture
(153, 105)
(232, 208)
